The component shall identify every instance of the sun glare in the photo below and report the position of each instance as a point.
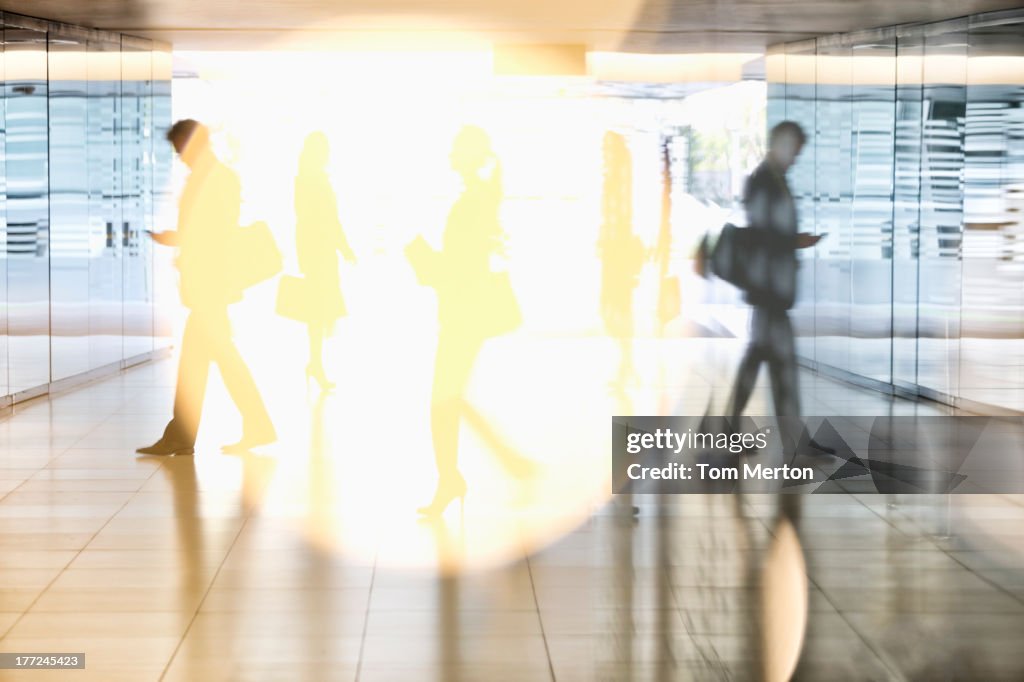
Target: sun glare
(390, 119)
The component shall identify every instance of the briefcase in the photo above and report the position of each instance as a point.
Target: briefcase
(755, 262)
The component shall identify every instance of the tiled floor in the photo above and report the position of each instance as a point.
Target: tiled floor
(306, 562)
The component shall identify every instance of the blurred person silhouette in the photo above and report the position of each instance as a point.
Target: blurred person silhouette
(762, 260)
(210, 261)
(771, 213)
(195, 541)
(474, 303)
(188, 520)
(319, 239)
(669, 287)
(450, 623)
(322, 490)
(621, 252)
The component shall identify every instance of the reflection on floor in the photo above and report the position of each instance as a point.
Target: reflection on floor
(261, 568)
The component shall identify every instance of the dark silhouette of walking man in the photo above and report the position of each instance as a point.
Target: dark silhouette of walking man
(206, 239)
(771, 210)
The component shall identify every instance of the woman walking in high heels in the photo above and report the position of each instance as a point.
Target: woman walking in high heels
(474, 304)
(318, 241)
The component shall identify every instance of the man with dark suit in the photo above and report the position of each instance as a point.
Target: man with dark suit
(771, 210)
(205, 238)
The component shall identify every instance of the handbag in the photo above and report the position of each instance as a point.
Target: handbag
(759, 263)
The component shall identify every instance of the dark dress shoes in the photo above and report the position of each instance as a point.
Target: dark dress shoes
(164, 447)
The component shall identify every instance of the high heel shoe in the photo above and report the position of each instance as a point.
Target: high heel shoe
(317, 373)
(449, 490)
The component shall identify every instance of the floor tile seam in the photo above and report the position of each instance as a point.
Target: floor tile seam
(366, 618)
(206, 594)
(880, 654)
(540, 619)
(68, 564)
(1019, 598)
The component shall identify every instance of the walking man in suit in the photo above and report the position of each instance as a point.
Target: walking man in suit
(207, 255)
(770, 208)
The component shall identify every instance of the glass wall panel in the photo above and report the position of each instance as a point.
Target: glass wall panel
(801, 96)
(833, 199)
(775, 75)
(79, 168)
(105, 224)
(906, 208)
(69, 205)
(4, 388)
(137, 205)
(992, 319)
(163, 198)
(917, 178)
(28, 271)
(944, 73)
(873, 60)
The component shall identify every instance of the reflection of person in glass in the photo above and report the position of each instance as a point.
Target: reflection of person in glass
(621, 252)
(777, 627)
(318, 240)
(474, 303)
(207, 224)
(770, 209)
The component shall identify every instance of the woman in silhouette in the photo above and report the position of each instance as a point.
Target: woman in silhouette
(318, 241)
(621, 252)
(474, 304)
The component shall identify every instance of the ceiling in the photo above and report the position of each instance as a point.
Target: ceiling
(654, 26)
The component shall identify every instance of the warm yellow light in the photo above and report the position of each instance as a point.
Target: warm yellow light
(669, 68)
(356, 490)
(352, 468)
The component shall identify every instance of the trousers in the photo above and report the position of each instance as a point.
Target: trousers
(207, 339)
(771, 342)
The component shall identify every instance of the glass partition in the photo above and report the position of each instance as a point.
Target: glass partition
(69, 204)
(163, 215)
(833, 195)
(944, 76)
(801, 106)
(105, 228)
(906, 208)
(79, 168)
(4, 386)
(775, 73)
(873, 63)
(916, 176)
(28, 239)
(992, 317)
(137, 196)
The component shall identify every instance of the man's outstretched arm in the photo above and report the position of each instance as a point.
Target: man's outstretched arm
(165, 238)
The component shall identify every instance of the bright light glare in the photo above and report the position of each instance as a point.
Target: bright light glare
(350, 469)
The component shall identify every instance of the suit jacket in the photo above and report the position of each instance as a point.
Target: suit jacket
(772, 212)
(207, 227)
